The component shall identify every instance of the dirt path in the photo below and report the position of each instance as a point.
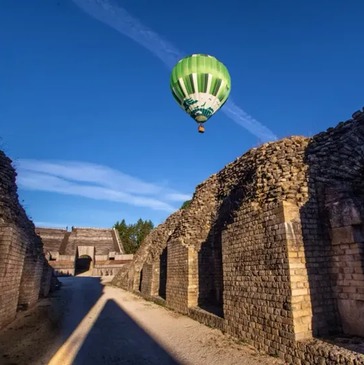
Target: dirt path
(29, 340)
(108, 326)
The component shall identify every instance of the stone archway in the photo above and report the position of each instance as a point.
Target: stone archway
(83, 264)
(85, 258)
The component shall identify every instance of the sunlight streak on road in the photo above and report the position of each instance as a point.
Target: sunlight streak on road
(69, 350)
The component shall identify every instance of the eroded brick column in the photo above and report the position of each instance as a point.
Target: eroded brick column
(46, 279)
(30, 280)
(12, 253)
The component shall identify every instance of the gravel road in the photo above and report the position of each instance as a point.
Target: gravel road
(88, 322)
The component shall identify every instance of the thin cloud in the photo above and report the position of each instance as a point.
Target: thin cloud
(91, 173)
(41, 224)
(95, 182)
(178, 197)
(118, 18)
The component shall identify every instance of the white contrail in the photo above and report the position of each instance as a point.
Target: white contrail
(118, 18)
(242, 118)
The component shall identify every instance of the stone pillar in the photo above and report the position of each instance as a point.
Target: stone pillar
(147, 279)
(177, 274)
(154, 291)
(301, 306)
(135, 278)
(192, 292)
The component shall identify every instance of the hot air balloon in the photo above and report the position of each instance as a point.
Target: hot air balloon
(201, 85)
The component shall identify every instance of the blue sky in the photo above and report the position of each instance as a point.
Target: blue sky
(86, 112)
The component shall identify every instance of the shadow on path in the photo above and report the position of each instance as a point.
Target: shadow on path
(77, 296)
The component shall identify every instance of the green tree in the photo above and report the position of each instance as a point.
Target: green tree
(132, 235)
(186, 204)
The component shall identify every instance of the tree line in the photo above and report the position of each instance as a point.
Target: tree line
(132, 235)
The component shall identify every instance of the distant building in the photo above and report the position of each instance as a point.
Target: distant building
(97, 251)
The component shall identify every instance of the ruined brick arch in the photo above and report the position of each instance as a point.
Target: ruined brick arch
(335, 161)
(210, 274)
(155, 273)
(209, 260)
(145, 276)
(137, 275)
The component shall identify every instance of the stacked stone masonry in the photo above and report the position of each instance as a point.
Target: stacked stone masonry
(270, 249)
(24, 271)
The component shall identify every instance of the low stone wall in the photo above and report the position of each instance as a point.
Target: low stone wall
(24, 272)
(64, 266)
(106, 270)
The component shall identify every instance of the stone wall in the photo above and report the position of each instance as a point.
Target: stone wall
(65, 242)
(52, 238)
(102, 239)
(271, 248)
(24, 272)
